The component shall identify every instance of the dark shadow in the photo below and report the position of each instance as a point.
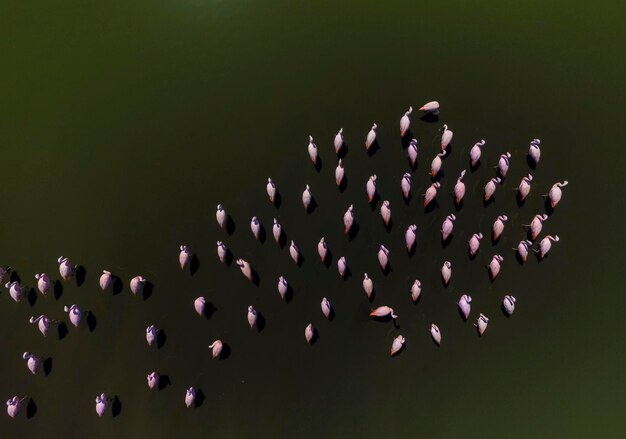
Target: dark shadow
(539, 258)
(343, 152)
(374, 202)
(32, 297)
(47, 366)
(329, 258)
(530, 162)
(472, 256)
(116, 407)
(344, 183)
(262, 234)
(496, 240)
(387, 269)
(31, 408)
(406, 139)
(374, 147)
(282, 239)
(230, 225)
(413, 167)
(58, 289)
(81, 275)
(226, 351)
(92, 322)
(430, 207)
(62, 330)
(446, 242)
(228, 257)
(278, 200)
(518, 199)
(491, 200)
(407, 200)
(430, 117)
(458, 206)
(318, 164)
(312, 205)
(288, 294)
(548, 206)
(388, 226)
(118, 285)
(415, 302)
(300, 260)
(260, 322)
(161, 338)
(354, 230)
(315, 336)
(147, 290)
(383, 319)
(474, 168)
(256, 280)
(518, 258)
(164, 381)
(506, 314)
(194, 265)
(15, 277)
(412, 251)
(209, 310)
(199, 399)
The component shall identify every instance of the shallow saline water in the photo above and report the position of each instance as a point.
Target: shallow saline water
(124, 124)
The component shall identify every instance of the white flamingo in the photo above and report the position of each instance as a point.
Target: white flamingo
(465, 305)
(446, 272)
(74, 313)
(43, 283)
(200, 305)
(430, 107)
(416, 290)
(371, 137)
(221, 216)
(405, 122)
(271, 190)
(446, 137)
(435, 334)
(312, 150)
(368, 286)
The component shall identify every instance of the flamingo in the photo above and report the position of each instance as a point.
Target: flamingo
(221, 216)
(74, 313)
(342, 266)
(312, 151)
(105, 280)
(435, 165)
(283, 287)
(464, 305)
(43, 283)
(222, 251)
(190, 397)
(370, 188)
(65, 268)
(340, 172)
(490, 187)
(534, 151)
(503, 164)
(430, 107)
(446, 137)
(153, 380)
(397, 345)
(255, 227)
(447, 226)
(405, 122)
(252, 316)
(371, 137)
(42, 322)
(383, 311)
(136, 284)
(322, 249)
(522, 249)
(309, 332)
(307, 196)
(199, 305)
(405, 185)
(435, 334)
(431, 193)
(277, 230)
(536, 225)
(216, 348)
(326, 307)
(556, 193)
(151, 334)
(474, 243)
(245, 268)
(15, 290)
(410, 236)
(546, 244)
(508, 304)
(416, 290)
(446, 272)
(368, 286)
(271, 190)
(459, 189)
(101, 404)
(385, 212)
(494, 266)
(481, 324)
(294, 252)
(498, 226)
(184, 257)
(475, 152)
(412, 152)
(383, 257)
(348, 219)
(339, 141)
(14, 405)
(524, 187)
(32, 362)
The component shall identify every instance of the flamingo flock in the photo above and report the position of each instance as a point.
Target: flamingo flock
(216, 348)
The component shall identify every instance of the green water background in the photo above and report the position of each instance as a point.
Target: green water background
(123, 124)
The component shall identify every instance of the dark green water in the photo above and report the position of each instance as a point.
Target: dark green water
(123, 125)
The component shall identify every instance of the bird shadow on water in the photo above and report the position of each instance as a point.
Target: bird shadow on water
(458, 206)
(31, 408)
(116, 407)
(161, 338)
(256, 279)
(300, 260)
(58, 289)
(226, 352)
(209, 310)
(288, 294)
(406, 139)
(164, 381)
(430, 117)
(230, 225)
(518, 258)
(374, 202)
(343, 152)
(262, 234)
(346, 274)
(519, 201)
(331, 315)
(387, 270)
(491, 200)
(91, 321)
(62, 330)
(373, 148)
(282, 239)
(503, 309)
(118, 285)
(548, 206)
(278, 200)
(32, 297)
(260, 322)
(446, 242)
(407, 200)
(412, 251)
(531, 163)
(329, 258)
(354, 231)
(147, 290)
(47, 366)
(15, 277)
(430, 207)
(318, 164)
(312, 206)
(475, 166)
(81, 275)
(199, 399)
(194, 265)
(388, 225)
